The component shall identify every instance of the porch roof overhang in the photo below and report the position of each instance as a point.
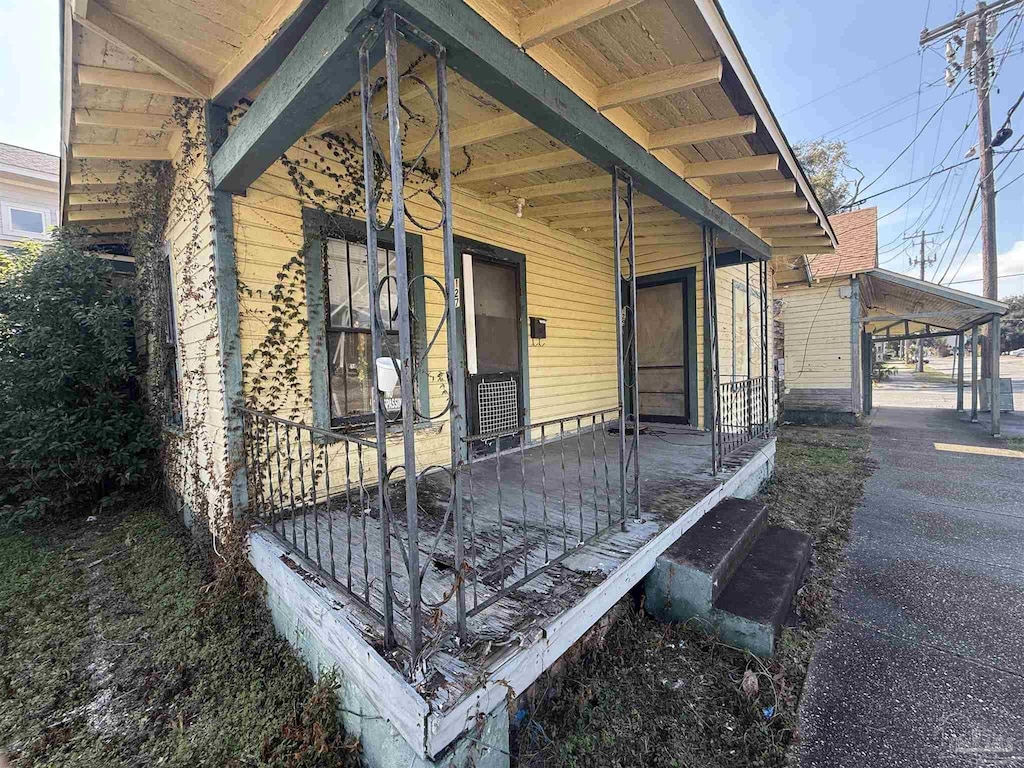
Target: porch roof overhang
(682, 113)
(897, 306)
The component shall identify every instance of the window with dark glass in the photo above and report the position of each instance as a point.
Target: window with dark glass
(348, 324)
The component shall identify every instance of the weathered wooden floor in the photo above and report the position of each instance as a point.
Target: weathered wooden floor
(522, 512)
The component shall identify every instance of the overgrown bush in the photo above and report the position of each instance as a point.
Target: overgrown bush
(72, 431)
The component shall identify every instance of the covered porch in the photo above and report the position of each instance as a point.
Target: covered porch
(501, 497)
(896, 308)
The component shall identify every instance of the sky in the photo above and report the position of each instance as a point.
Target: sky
(828, 69)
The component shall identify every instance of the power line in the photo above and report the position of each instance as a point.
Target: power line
(847, 84)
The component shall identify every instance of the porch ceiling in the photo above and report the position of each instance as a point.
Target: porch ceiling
(895, 302)
(668, 73)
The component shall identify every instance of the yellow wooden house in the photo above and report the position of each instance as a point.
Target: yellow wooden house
(463, 307)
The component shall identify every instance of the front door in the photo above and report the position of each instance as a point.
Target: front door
(661, 352)
(494, 364)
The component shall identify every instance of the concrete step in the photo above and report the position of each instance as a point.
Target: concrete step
(691, 574)
(750, 611)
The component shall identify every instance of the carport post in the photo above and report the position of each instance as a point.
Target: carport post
(974, 375)
(993, 382)
(960, 372)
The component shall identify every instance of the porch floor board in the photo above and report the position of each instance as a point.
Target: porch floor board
(675, 474)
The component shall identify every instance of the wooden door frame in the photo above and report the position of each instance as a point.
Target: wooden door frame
(687, 278)
(494, 253)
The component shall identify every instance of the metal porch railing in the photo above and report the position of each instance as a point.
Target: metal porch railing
(748, 410)
(546, 500)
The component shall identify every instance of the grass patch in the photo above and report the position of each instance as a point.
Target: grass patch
(670, 695)
(120, 645)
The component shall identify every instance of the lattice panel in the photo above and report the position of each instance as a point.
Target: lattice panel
(498, 403)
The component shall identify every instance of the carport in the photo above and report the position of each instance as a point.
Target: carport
(896, 307)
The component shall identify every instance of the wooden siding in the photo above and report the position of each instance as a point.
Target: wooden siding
(817, 333)
(197, 466)
(569, 282)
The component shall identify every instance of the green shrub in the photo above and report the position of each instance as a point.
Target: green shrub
(72, 430)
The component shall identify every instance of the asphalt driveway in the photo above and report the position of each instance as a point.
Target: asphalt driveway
(925, 666)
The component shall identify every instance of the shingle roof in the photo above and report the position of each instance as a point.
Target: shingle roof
(29, 159)
(858, 245)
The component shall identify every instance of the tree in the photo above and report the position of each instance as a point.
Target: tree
(72, 429)
(827, 164)
(1012, 325)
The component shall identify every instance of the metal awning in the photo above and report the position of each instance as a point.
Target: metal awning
(895, 305)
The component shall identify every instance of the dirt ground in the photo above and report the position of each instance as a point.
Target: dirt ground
(670, 695)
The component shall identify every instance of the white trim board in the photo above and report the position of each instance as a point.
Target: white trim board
(321, 609)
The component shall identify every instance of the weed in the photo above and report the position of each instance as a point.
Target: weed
(117, 649)
(670, 695)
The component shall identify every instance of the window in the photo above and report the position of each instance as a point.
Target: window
(348, 323)
(27, 221)
(172, 351)
(23, 220)
(338, 299)
(740, 331)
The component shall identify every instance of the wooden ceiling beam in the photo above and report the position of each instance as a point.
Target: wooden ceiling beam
(543, 162)
(667, 230)
(90, 177)
(566, 16)
(99, 20)
(726, 128)
(130, 81)
(601, 183)
(769, 205)
(805, 230)
(119, 152)
(605, 221)
(753, 189)
(351, 112)
(786, 220)
(685, 77)
(107, 227)
(94, 198)
(99, 214)
(802, 242)
(487, 130)
(136, 120)
(754, 164)
(571, 210)
(786, 251)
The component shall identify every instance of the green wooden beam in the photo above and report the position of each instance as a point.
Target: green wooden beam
(321, 68)
(485, 57)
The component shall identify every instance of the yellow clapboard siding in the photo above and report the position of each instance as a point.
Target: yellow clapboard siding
(817, 321)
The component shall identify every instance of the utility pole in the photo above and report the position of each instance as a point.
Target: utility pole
(978, 54)
(921, 261)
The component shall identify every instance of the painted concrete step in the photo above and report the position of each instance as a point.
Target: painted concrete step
(692, 573)
(750, 611)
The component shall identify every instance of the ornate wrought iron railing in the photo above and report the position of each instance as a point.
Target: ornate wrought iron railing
(528, 507)
(748, 410)
(310, 488)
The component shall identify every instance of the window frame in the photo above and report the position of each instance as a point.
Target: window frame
(172, 346)
(318, 227)
(8, 221)
(744, 288)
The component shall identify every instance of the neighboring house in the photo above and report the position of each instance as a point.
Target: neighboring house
(820, 300)
(462, 432)
(29, 185)
(837, 306)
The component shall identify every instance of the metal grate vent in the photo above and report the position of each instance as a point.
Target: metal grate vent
(498, 404)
